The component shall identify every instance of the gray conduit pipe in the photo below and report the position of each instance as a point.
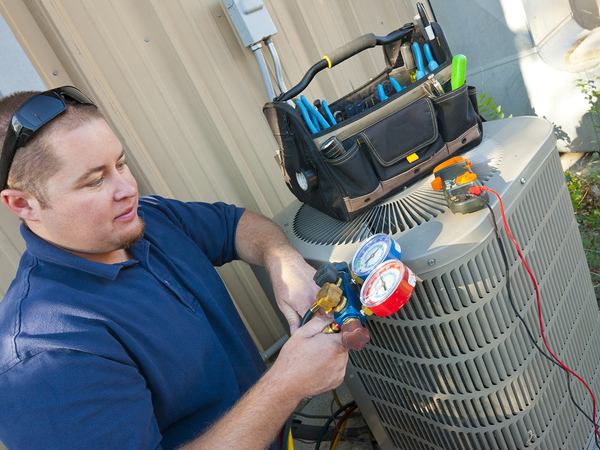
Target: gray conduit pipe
(264, 71)
(277, 64)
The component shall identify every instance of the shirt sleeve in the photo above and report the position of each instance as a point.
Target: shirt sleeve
(211, 226)
(68, 399)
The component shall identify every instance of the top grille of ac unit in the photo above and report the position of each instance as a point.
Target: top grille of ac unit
(455, 368)
(417, 205)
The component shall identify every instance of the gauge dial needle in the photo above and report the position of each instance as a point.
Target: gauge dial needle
(383, 285)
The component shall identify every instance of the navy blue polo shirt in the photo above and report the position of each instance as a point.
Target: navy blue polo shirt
(144, 354)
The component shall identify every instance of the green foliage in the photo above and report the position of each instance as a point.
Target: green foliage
(585, 196)
(592, 95)
(489, 110)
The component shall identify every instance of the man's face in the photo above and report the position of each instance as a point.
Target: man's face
(93, 198)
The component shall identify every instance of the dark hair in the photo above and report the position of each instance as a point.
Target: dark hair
(37, 161)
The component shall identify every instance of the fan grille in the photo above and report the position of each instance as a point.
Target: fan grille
(414, 206)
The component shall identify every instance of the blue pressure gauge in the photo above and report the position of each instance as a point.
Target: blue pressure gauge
(375, 250)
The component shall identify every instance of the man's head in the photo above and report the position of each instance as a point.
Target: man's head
(30, 156)
(69, 182)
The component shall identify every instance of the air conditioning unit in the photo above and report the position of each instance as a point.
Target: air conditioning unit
(455, 368)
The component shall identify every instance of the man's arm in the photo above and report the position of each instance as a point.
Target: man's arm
(309, 363)
(261, 242)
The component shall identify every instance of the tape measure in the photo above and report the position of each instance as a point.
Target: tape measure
(307, 179)
(388, 288)
(375, 250)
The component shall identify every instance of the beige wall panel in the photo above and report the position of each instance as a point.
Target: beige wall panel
(34, 43)
(185, 97)
(11, 247)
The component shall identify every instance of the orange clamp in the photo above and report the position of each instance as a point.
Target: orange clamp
(451, 161)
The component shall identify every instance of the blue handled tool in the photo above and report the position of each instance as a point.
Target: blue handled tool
(313, 119)
(314, 113)
(459, 71)
(431, 62)
(306, 116)
(328, 113)
(420, 73)
(395, 84)
(381, 93)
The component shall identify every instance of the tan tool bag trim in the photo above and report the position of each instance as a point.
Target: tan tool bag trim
(468, 136)
(355, 204)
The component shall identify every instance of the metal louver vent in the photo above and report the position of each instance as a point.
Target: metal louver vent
(414, 206)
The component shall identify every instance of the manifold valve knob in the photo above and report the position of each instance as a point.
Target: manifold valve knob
(354, 335)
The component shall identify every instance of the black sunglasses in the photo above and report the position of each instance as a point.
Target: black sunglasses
(30, 117)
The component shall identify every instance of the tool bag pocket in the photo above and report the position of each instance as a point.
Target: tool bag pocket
(397, 142)
(458, 118)
(354, 172)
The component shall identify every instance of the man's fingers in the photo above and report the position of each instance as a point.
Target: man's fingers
(316, 324)
(293, 322)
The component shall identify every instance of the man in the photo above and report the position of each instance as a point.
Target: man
(117, 332)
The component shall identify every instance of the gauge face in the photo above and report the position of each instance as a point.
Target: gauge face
(388, 288)
(302, 181)
(371, 254)
(382, 285)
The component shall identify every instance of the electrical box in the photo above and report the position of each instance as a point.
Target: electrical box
(251, 19)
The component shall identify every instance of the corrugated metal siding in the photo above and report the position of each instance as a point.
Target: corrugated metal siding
(185, 96)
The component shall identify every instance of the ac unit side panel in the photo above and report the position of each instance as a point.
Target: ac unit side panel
(456, 368)
(507, 383)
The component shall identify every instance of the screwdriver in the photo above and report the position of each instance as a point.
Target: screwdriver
(459, 71)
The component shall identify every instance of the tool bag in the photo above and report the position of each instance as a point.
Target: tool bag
(368, 156)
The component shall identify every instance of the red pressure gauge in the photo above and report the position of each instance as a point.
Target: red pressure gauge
(388, 288)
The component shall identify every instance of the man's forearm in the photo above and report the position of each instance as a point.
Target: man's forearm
(309, 363)
(253, 423)
(259, 240)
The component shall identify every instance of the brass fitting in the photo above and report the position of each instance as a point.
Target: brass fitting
(366, 311)
(331, 329)
(314, 307)
(357, 280)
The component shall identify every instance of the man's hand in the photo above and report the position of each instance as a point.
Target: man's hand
(261, 242)
(311, 362)
(294, 288)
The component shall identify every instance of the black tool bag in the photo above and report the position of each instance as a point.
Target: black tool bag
(370, 155)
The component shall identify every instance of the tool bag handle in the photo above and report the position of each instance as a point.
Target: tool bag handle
(350, 49)
(343, 53)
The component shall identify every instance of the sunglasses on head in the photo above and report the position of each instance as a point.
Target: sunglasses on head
(30, 117)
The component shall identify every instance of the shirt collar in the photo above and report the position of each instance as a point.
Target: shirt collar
(43, 250)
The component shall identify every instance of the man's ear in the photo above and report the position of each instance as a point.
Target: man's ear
(21, 203)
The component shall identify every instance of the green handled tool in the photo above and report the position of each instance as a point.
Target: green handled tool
(459, 71)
